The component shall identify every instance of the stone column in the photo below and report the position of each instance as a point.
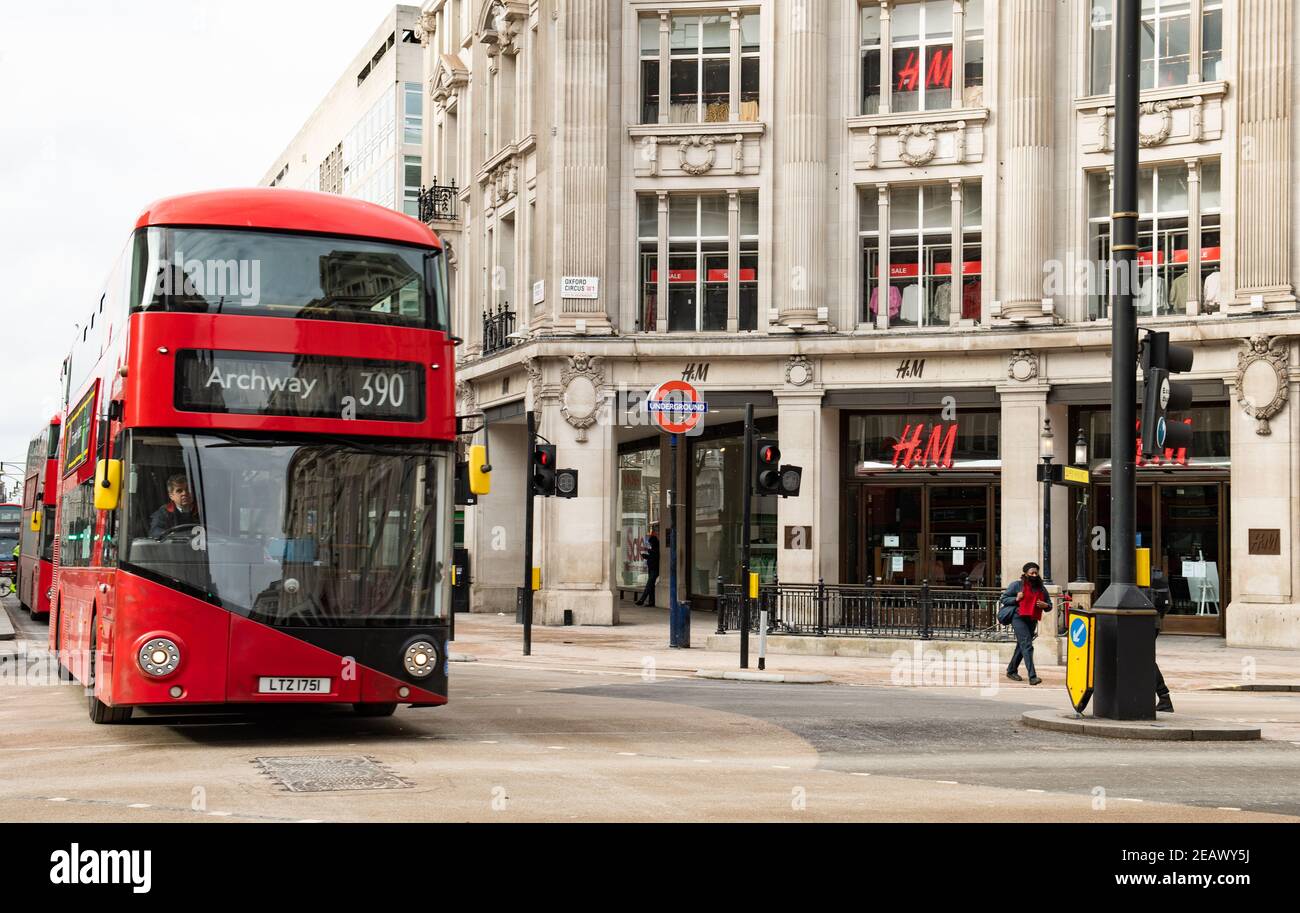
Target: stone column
(1027, 237)
(958, 253)
(575, 535)
(1193, 237)
(733, 261)
(1262, 260)
(582, 220)
(661, 284)
(807, 441)
(886, 58)
(1023, 408)
(882, 277)
(1264, 611)
(799, 286)
(959, 54)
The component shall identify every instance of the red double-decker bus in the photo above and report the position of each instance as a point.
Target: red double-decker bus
(11, 516)
(256, 473)
(39, 532)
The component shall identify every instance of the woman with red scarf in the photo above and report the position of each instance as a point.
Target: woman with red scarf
(1029, 596)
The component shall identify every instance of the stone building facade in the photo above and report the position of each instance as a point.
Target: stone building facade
(885, 223)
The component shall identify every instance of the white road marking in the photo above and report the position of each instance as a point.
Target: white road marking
(1228, 808)
(488, 742)
(858, 773)
(1126, 799)
(780, 767)
(555, 747)
(138, 805)
(627, 754)
(220, 814)
(1035, 790)
(949, 782)
(58, 798)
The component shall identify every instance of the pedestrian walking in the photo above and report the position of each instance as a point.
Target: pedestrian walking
(651, 557)
(1029, 598)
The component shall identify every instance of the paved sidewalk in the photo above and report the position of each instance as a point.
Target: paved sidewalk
(1188, 663)
(1198, 669)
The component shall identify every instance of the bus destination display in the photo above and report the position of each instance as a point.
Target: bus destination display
(307, 386)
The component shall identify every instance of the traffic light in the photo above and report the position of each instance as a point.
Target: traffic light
(767, 468)
(770, 477)
(566, 483)
(544, 470)
(1160, 395)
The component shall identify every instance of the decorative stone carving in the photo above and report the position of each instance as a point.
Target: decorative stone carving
(467, 397)
(1263, 381)
(580, 398)
(698, 153)
(798, 371)
(534, 369)
(503, 182)
(1023, 365)
(666, 150)
(918, 143)
(1155, 123)
(924, 150)
(426, 27)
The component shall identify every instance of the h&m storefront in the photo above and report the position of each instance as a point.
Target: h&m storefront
(921, 492)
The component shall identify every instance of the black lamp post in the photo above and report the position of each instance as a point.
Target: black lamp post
(1081, 519)
(1046, 450)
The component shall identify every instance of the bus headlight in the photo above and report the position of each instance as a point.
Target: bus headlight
(159, 656)
(420, 659)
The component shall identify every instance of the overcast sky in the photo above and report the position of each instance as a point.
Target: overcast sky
(106, 106)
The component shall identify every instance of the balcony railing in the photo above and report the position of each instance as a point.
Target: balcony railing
(821, 609)
(497, 327)
(438, 202)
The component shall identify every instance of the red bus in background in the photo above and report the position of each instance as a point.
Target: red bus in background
(256, 470)
(11, 517)
(39, 531)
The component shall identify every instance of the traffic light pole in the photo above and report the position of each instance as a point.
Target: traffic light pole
(1125, 627)
(748, 483)
(528, 535)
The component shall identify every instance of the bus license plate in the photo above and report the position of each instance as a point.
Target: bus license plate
(278, 684)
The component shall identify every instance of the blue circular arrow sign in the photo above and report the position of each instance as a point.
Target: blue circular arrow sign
(1078, 632)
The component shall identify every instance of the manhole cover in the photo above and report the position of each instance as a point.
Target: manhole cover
(325, 774)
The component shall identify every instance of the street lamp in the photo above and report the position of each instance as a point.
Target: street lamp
(1046, 450)
(1081, 519)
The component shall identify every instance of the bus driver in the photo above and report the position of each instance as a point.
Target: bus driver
(180, 509)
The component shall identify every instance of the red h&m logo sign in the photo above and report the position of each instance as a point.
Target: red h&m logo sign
(909, 453)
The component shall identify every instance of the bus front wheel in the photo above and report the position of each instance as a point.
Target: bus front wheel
(99, 711)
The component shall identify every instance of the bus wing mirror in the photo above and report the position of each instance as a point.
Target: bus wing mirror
(480, 473)
(108, 484)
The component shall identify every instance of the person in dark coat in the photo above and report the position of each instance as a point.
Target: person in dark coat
(651, 557)
(1029, 595)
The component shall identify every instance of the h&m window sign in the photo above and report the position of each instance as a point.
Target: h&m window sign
(936, 452)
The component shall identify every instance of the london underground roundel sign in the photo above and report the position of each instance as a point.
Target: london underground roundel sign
(676, 406)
